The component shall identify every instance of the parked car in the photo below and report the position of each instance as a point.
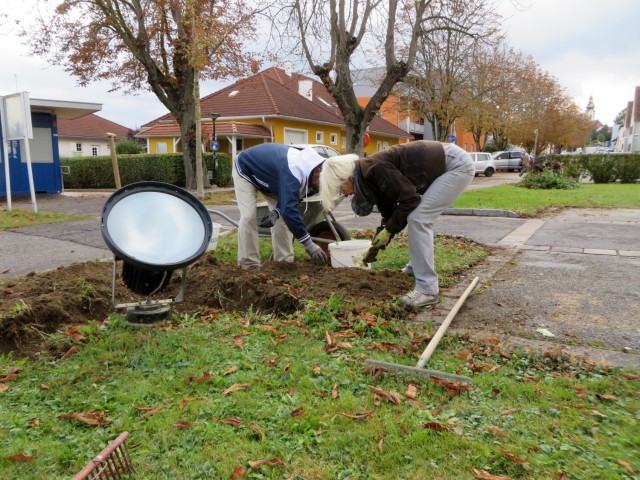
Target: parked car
(323, 150)
(484, 163)
(508, 160)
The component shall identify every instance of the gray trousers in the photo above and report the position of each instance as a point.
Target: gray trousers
(248, 239)
(439, 196)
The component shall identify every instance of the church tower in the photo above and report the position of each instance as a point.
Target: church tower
(591, 109)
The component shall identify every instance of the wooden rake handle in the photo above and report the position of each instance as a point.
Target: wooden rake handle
(433, 343)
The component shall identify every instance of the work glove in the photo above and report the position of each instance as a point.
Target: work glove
(379, 242)
(270, 219)
(315, 252)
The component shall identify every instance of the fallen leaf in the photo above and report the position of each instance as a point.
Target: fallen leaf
(274, 362)
(72, 351)
(334, 391)
(34, 423)
(509, 411)
(230, 370)
(236, 387)
(607, 396)
(357, 416)
(153, 411)
(579, 391)
(598, 414)
(438, 427)
(182, 425)
(631, 376)
(297, 412)
(46, 387)
(497, 431)
(236, 422)
(20, 457)
(183, 403)
(205, 376)
(272, 462)
(453, 388)
(287, 367)
(268, 328)
(3, 387)
(627, 467)
(391, 397)
(238, 342)
(381, 446)
(412, 391)
(238, 472)
(90, 417)
(328, 337)
(484, 475)
(257, 429)
(316, 369)
(513, 458)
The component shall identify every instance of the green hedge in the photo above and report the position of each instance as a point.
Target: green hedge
(602, 168)
(97, 172)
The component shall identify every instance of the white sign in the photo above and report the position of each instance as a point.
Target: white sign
(16, 113)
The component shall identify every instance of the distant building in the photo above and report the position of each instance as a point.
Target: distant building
(591, 109)
(86, 136)
(629, 137)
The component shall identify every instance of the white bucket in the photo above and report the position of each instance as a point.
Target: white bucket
(215, 233)
(349, 253)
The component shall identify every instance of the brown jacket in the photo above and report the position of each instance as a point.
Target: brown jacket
(399, 176)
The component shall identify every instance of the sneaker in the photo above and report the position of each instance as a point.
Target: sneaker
(417, 299)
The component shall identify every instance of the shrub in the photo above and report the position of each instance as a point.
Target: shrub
(601, 168)
(97, 172)
(628, 168)
(128, 146)
(548, 178)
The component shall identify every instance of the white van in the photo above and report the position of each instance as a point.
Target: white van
(483, 163)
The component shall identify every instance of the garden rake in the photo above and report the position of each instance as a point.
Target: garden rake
(431, 346)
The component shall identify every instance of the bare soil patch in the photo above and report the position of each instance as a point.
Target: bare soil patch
(41, 303)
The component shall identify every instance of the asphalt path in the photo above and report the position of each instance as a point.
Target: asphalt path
(570, 277)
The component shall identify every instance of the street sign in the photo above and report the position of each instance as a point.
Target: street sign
(452, 138)
(214, 146)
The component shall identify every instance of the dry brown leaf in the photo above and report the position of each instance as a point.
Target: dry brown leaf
(334, 391)
(257, 429)
(20, 457)
(381, 446)
(453, 388)
(297, 412)
(513, 458)
(90, 417)
(357, 416)
(627, 467)
(230, 370)
(72, 351)
(205, 376)
(598, 414)
(3, 387)
(497, 431)
(46, 387)
(183, 403)
(484, 475)
(181, 425)
(412, 391)
(287, 366)
(438, 427)
(328, 337)
(238, 472)
(238, 341)
(236, 387)
(391, 397)
(631, 376)
(268, 328)
(579, 391)
(316, 369)
(236, 422)
(274, 362)
(509, 411)
(34, 423)
(271, 462)
(607, 396)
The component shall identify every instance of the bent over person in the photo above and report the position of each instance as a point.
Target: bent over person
(284, 175)
(411, 184)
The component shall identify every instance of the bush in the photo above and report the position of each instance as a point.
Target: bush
(97, 172)
(628, 168)
(128, 147)
(601, 168)
(547, 179)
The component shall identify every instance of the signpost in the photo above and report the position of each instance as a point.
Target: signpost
(15, 112)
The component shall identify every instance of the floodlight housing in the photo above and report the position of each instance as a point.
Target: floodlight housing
(154, 228)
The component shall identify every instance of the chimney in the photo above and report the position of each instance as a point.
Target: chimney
(288, 68)
(305, 88)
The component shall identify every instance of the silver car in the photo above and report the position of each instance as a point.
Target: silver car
(483, 163)
(508, 160)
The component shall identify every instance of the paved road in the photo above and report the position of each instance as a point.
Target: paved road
(574, 273)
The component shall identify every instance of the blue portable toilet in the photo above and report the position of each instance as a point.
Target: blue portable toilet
(45, 157)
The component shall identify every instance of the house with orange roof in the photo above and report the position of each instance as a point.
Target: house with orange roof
(273, 105)
(86, 136)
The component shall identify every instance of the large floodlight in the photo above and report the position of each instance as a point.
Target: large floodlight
(154, 228)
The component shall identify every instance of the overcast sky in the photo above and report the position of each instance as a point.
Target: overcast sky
(590, 46)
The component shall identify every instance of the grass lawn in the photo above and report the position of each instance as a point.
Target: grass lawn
(18, 217)
(531, 202)
(219, 395)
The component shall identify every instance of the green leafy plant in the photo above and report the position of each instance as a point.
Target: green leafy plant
(547, 179)
(87, 293)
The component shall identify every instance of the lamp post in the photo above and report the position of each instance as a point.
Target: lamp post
(535, 145)
(214, 145)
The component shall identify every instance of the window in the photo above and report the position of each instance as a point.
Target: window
(333, 139)
(319, 137)
(94, 150)
(379, 146)
(385, 145)
(344, 143)
(161, 147)
(239, 144)
(79, 147)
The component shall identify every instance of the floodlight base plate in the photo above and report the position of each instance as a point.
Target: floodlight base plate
(147, 314)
